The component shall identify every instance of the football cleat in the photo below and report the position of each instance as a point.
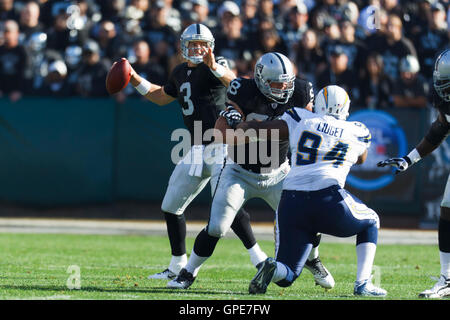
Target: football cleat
(164, 275)
(322, 276)
(367, 289)
(183, 281)
(263, 277)
(439, 290)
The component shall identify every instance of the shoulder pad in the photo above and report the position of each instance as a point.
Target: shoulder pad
(361, 132)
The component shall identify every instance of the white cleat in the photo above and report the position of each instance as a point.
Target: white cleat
(164, 275)
(322, 276)
(440, 289)
(367, 289)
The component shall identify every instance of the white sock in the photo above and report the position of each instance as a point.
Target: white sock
(365, 254)
(280, 272)
(256, 254)
(177, 263)
(194, 263)
(314, 253)
(445, 264)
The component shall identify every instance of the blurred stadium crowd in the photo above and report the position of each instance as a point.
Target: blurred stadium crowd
(381, 51)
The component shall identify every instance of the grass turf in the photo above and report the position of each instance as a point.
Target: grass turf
(34, 266)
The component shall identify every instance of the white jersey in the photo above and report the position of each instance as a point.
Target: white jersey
(323, 149)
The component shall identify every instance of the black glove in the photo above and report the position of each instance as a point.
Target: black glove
(233, 117)
(401, 164)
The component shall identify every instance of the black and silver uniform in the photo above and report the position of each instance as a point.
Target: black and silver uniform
(200, 94)
(257, 106)
(442, 106)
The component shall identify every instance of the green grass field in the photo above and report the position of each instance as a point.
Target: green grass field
(34, 266)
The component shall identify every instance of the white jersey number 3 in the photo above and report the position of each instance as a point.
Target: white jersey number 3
(187, 111)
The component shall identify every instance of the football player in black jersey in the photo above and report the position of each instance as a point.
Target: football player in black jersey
(437, 133)
(199, 85)
(248, 171)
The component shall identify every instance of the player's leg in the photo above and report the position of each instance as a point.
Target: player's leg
(241, 225)
(442, 286)
(313, 264)
(228, 199)
(344, 215)
(181, 190)
(293, 245)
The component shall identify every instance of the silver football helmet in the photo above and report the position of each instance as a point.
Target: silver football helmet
(274, 67)
(195, 32)
(441, 75)
(333, 101)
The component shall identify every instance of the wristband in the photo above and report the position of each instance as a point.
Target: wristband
(143, 87)
(219, 72)
(413, 156)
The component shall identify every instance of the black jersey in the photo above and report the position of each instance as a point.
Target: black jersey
(257, 106)
(441, 105)
(200, 94)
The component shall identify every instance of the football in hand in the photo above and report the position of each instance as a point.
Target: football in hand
(118, 76)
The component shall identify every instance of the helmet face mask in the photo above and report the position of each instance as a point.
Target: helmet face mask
(441, 75)
(333, 101)
(195, 33)
(274, 77)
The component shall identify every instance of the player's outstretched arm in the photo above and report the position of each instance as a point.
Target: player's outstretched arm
(222, 73)
(151, 91)
(433, 139)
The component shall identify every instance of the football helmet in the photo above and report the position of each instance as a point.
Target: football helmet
(274, 67)
(195, 32)
(441, 75)
(333, 101)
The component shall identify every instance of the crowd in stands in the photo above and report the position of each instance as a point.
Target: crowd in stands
(381, 51)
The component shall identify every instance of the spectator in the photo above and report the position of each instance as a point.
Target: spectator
(411, 89)
(173, 16)
(270, 41)
(201, 8)
(249, 17)
(137, 9)
(55, 84)
(339, 74)
(375, 86)
(230, 42)
(13, 62)
(431, 41)
(157, 32)
(29, 21)
(310, 58)
(295, 27)
(112, 10)
(108, 40)
(90, 80)
(354, 48)
(7, 10)
(59, 36)
(72, 59)
(393, 46)
(145, 68)
(39, 58)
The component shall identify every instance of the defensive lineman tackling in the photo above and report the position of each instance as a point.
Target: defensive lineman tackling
(324, 146)
(436, 134)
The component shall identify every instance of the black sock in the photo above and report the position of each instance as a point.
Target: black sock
(205, 244)
(444, 235)
(176, 229)
(241, 227)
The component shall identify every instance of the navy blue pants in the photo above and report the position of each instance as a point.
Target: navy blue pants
(303, 214)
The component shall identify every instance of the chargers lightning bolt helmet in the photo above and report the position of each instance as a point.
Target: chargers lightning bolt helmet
(441, 75)
(274, 67)
(333, 101)
(195, 32)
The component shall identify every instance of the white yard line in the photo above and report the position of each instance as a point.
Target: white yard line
(263, 231)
